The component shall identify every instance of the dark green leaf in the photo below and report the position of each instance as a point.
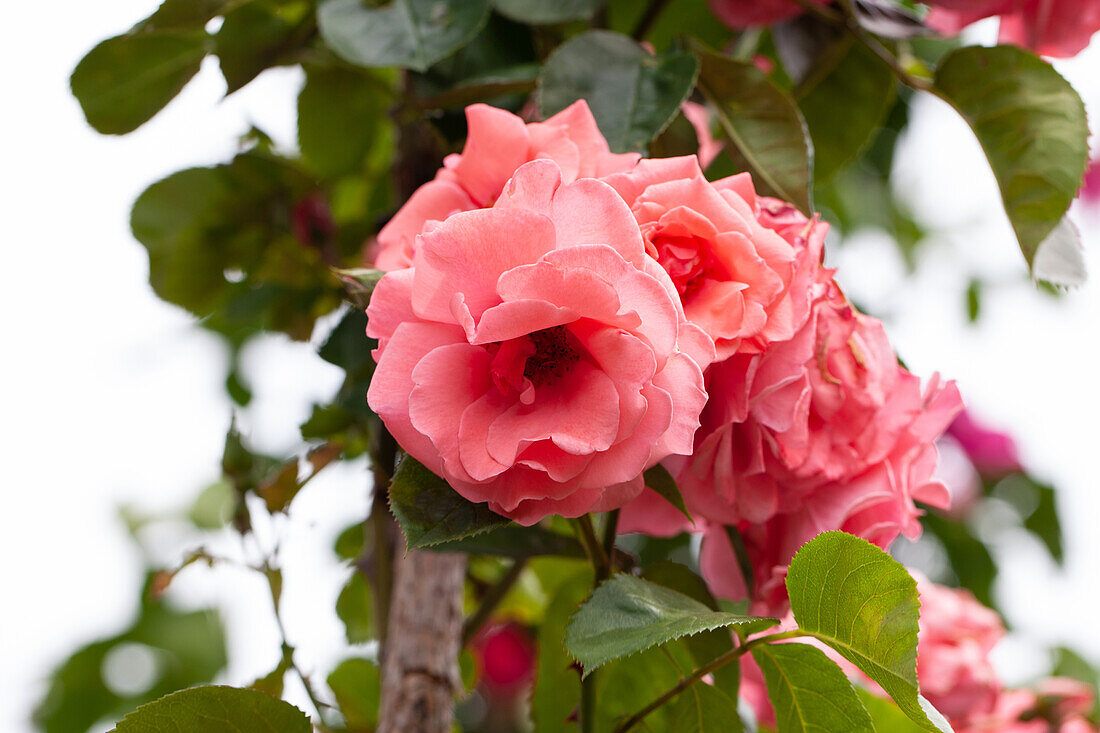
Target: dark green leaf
(516, 541)
(260, 34)
(974, 300)
(844, 109)
(127, 79)
(766, 132)
(705, 709)
(633, 94)
(430, 511)
(809, 691)
(661, 481)
(182, 15)
(340, 111)
(540, 12)
(357, 685)
(860, 601)
(625, 686)
(1031, 124)
(407, 33)
(216, 709)
(348, 346)
(627, 615)
(1037, 504)
(355, 609)
(970, 559)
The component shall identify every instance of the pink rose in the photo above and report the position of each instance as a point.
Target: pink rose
(742, 13)
(497, 144)
(993, 453)
(1060, 28)
(825, 431)
(533, 355)
(741, 282)
(1063, 705)
(699, 117)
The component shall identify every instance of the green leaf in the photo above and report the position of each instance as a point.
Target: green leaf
(357, 685)
(540, 12)
(358, 284)
(969, 559)
(355, 609)
(660, 480)
(216, 709)
(182, 15)
(767, 134)
(702, 708)
(845, 109)
(127, 79)
(1036, 503)
(430, 511)
(861, 602)
(406, 33)
(625, 686)
(885, 715)
(515, 541)
(214, 506)
(809, 691)
(633, 94)
(557, 689)
(340, 112)
(1031, 124)
(260, 34)
(627, 615)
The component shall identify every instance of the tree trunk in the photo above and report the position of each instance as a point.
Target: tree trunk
(420, 666)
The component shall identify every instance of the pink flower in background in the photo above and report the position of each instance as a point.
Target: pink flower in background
(1060, 28)
(699, 117)
(1064, 703)
(742, 13)
(533, 355)
(741, 282)
(497, 144)
(993, 453)
(505, 657)
(1090, 187)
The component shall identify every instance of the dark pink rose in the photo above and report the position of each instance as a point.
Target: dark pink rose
(992, 452)
(533, 355)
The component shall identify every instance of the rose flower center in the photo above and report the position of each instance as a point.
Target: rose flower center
(537, 359)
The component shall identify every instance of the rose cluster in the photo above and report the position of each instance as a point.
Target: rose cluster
(556, 319)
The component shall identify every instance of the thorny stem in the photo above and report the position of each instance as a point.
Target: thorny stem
(492, 599)
(720, 661)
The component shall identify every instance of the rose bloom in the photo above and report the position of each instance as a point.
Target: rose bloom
(533, 355)
(1060, 28)
(741, 282)
(825, 431)
(497, 144)
(1065, 703)
(993, 453)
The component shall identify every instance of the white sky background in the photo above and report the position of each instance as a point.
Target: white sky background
(110, 396)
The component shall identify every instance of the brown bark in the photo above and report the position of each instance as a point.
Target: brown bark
(420, 675)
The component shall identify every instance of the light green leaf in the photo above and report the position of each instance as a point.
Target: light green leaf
(627, 615)
(557, 688)
(355, 608)
(127, 79)
(633, 94)
(1031, 124)
(430, 511)
(861, 602)
(702, 708)
(406, 33)
(541, 12)
(846, 107)
(660, 480)
(767, 134)
(357, 685)
(216, 709)
(885, 715)
(808, 691)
